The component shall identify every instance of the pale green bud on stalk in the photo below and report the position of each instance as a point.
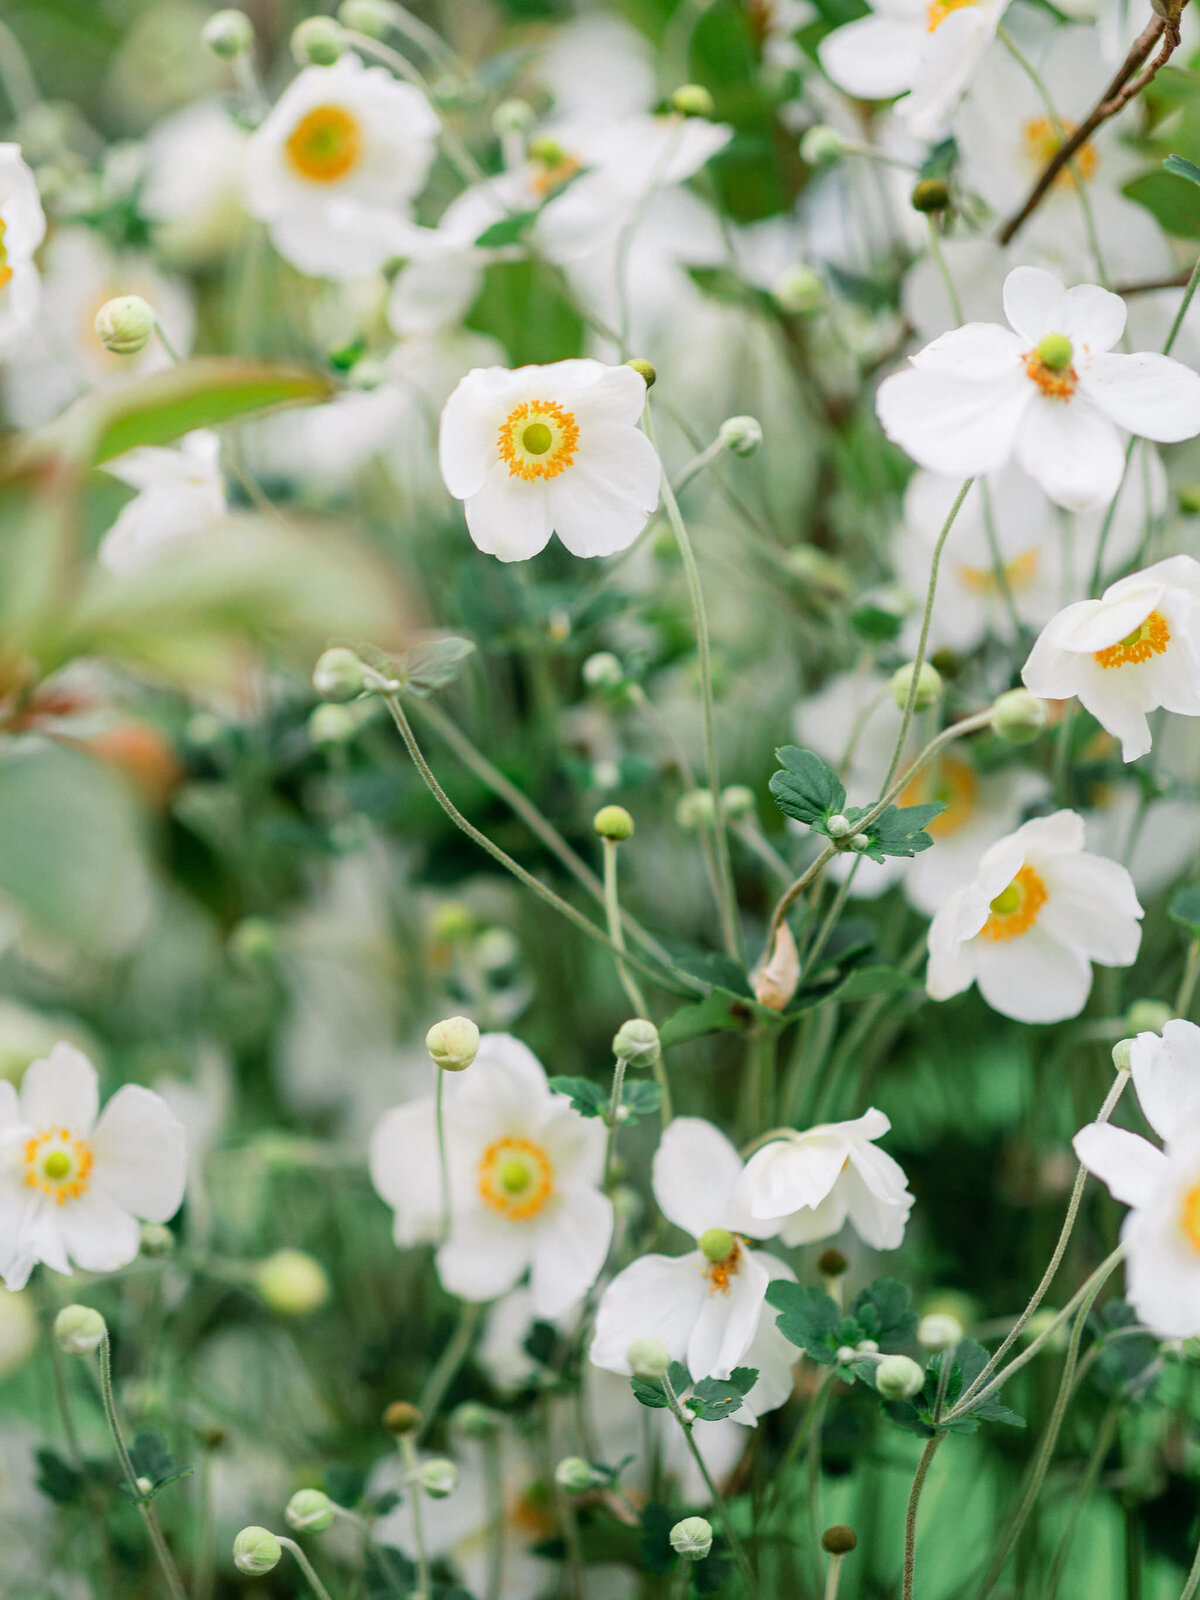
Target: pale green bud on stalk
(371, 17)
(860, 842)
(575, 1475)
(474, 1421)
(695, 810)
(125, 325)
(821, 146)
(256, 1551)
(512, 116)
(332, 725)
(644, 371)
(1122, 1055)
(453, 1044)
(692, 1538)
(692, 100)
(317, 42)
(1148, 1016)
(339, 674)
(800, 291)
(79, 1330)
(838, 827)
(939, 1330)
(613, 822)
(636, 1042)
(438, 1478)
(603, 671)
(741, 436)
(738, 801)
(1188, 497)
(899, 1378)
(309, 1511)
(716, 1244)
(228, 34)
(155, 1239)
(929, 686)
(292, 1283)
(648, 1359)
(1018, 716)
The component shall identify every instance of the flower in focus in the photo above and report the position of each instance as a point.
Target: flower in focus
(180, 493)
(335, 164)
(807, 1184)
(1161, 1234)
(554, 449)
(1049, 391)
(524, 1169)
(1126, 653)
(22, 227)
(705, 1306)
(1037, 913)
(925, 50)
(72, 1187)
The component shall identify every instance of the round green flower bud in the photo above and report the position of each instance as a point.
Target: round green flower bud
(339, 674)
(613, 822)
(692, 100)
(474, 1421)
(741, 435)
(228, 34)
(292, 1283)
(899, 1378)
(939, 1330)
(603, 671)
(821, 146)
(453, 1044)
(438, 1478)
(401, 1417)
(929, 686)
(636, 1042)
(695, 810)
(331, 725)
(832, 1264)
(1018, 716)
(452, 921)
(256, 1551)
(1188, 497)
(839, 1540)
(930, 195)
(838, 827)
(692, 1538)
(1122, 1055)
(860, 842)
(1148, 1016)
(371, 17)
(79, 1330)
(309, 1511)
(648, 1359)
(800, 291)
(155, 1239)
(512, 116)
(644, 370)
(125, 325)
(1055, 351)
(574, 1475)
(738, 800)
(317, 42)
(716, 1243)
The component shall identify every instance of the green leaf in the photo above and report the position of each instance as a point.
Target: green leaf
(713, 1399)
(808, 1318)
(641, 1099)
(509, 230)
(884, 1312)
(1185, 909)
(806, 789)
(647, 1393)
(588, 1098)
(1173, 200)
(865, 982)
(718, 1012)
(1182, 168)
(152, 1460)
(57, 1478)
(432, 664)
(874, 622)
(899, 831)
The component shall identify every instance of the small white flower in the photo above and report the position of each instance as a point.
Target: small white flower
(195, 174)
(706, 1307)
(334, 166)
(1037, 913)
(540, 450)
(809, 1183)
(22, 228)
(1049, 391)
(73, 1188)
(1161, 1234)
(925, 50)
(1136, 648)
(525, 1172)
(181, 493)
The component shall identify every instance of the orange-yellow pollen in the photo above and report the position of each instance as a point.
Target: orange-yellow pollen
(1189, 1217)
(516, 1178)
(1149, 638)
(58, 1163)
(1055, 383)
(938, 10)
(6, 271)
(952, 781)
(554, 174)
(1018, 572)
(1042, 140)
(719, 1273)
(325, 145)
(538, 440)
(1015, 909)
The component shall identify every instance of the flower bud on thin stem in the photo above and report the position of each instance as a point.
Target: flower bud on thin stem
(317, 42)
(309, 1511)
(339, 674)
(79, 1330)
(453, 1043)
(408, 1454)
(692, 1538)
(644, 369)
(125, 325)
(292, 1283)
(692, 100)
(648, 1359)
(401, 1417)
(256, 1551)
(613, 822)
(741, 435)
(575, 1475)
(837, 1542)
(228, 34)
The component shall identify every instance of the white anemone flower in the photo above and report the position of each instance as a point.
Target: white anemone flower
(808, 1184)
(925, 50)
(1049, 391)
(72, 1187)
(22, 228)
(333, 167)
(524, 1171)
(181, 493)
(706, 1306)
(195, 175)
(1136, 648)
(1161, 1234)
(557, 449)
(1037, 913)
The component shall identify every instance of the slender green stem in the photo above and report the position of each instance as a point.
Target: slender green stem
(1188, 295)
(939, 261)
(718, 1499)
(614, 1107)
(1187, 984)
(408, 1453)
(493, 1489)
(420, 34)
(727, 902)
(697, 464)
(999, 570)
(307, 1568)
(387, 1565)
(833, 1577)
(612, 907)
(443, 1163)
(447, 1366)
(1106, 525)
(469, 169)
(910, 1520)
(166, 343)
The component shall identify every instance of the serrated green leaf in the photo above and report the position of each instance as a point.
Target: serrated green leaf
(806, 789)
(713, 1399)
(808, 1318)
(588, 1098)
(647, 1393)
(1182, 168)
(640, 1099)
(885, 1313)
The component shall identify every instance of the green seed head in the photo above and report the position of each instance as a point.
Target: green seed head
(930, 195)
(716, 1244)
(1055, 351)
(613, 822)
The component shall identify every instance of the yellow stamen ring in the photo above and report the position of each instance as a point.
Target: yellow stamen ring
(954, 782)
(516, 1178)
(538, 440)
(59, 1164)
(719, 1273)
(1015, 909)
(325, 145)
(1189, 1217)
(1149, 638)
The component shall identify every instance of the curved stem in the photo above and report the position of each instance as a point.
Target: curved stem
(910, 1520)
(718, 1499)
(408, 1454)
(614, 1106)
(448, 1364)
(306, 1566)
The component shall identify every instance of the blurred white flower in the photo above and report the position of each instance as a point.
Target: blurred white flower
(550, 449)
(1049, 391)
(73, 1188)
(18, 1329)
(807, 1184)
(335, 164)
(193, 186)
(525, 1171)
(1037, 913)
(181, 493)
(1127, 653)
(1161, 1234)
(598, 63)
(22, 228)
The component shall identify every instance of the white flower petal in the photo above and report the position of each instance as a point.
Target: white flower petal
(1034, 978)
(1147, 394)
(61, 1090)
(727, 1320)
(1166, 1075)
(952, 424)
(696, 1170)
(600, 503)
(1091, 904)
(97, 1231)
(656, 1297)
(485, 1254)
(878, 1215)
(1035, 303)
(873, 58)
(572, 1243)
(140, 1154)
(790, 1174)
(1127, 1164)
(403, 1164)
(507, 517)
(1072, 450)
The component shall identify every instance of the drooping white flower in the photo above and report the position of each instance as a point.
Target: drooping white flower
(557, 449)
(808, 1184)
(1049, 391)
(72, 1187)
(181, 493)
(925, 50)
(1037, 913)
(706, 1306)
(525, 1171)
(1161, 1234)
(1136, 648)
(22, 228)
(333, 167)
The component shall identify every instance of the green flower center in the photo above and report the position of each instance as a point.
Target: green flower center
(1055, 351)
(1007, 900)
(57, 1164)
(537, 438)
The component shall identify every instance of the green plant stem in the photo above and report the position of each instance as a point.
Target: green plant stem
(693, 468)
(812, 1419)
(1192, 1586)
(165, 1559)
(727, 901)
(388, 1566)
(718, 1499)
(1187, 984)
(833, 1577)
(910, 1520)
(1106, 526)
(493, 1488)
(1188, 295)
(408, 1454)
(307, 1568)
(614, 1107)
(468, 168)
(612, 907)
(443, 1164)
(939, 261)
(448, 1363)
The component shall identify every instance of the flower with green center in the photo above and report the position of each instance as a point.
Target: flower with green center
(22, 228)
(1055, 350)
